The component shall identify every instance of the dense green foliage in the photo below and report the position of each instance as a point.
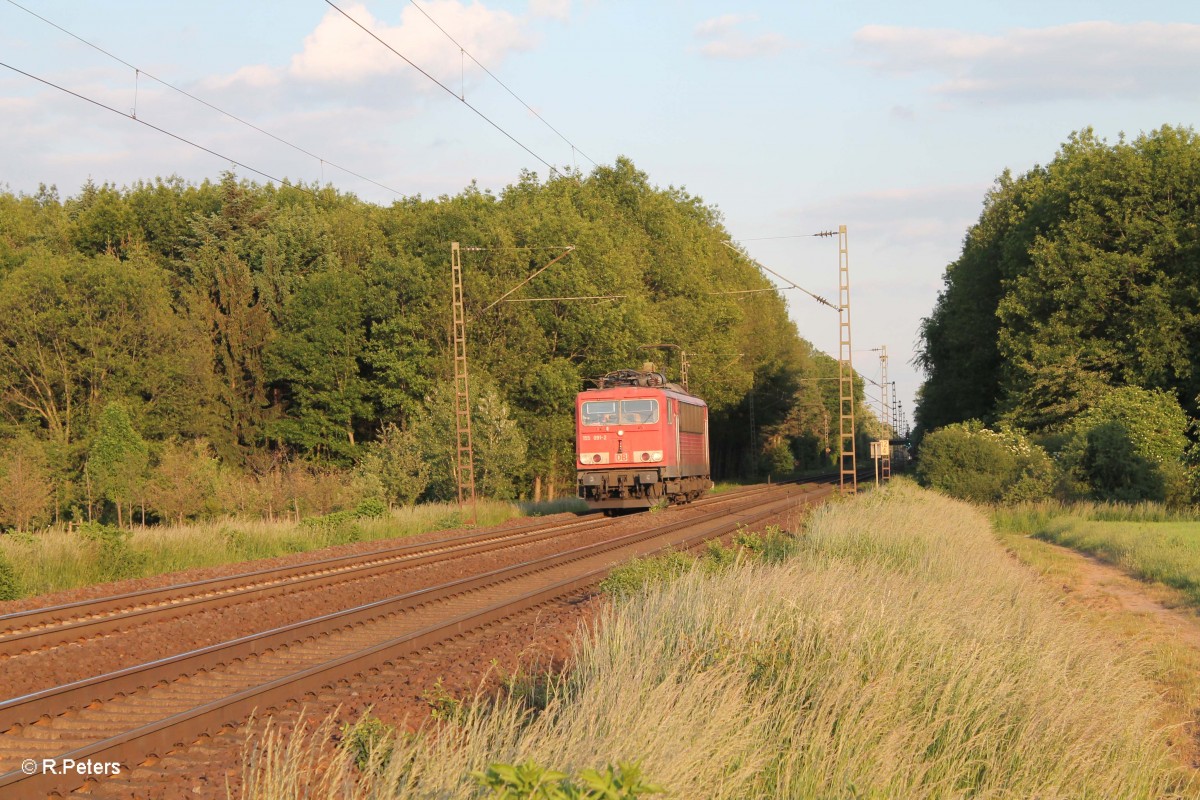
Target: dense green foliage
(1081, 277)
(284, 349)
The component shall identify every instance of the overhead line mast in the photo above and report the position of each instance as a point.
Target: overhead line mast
(848, 467)
(464, 454)
(464, 450)
(885, 459)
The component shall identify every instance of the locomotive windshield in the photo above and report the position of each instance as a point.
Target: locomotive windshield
(635, 412)
(624, 412)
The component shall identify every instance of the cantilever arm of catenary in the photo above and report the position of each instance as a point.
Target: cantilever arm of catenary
(553, 261)
(794, 285)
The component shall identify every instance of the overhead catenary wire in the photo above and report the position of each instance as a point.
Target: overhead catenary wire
(788, 236)
(444, 87)
(467, 53)
(163, 131)
(139, 72)
(578, 297)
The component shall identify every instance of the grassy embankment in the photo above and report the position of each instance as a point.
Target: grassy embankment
(898, 652)
(54, 560)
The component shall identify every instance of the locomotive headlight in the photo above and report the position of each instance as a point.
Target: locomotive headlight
(593, 458)
(648, 455)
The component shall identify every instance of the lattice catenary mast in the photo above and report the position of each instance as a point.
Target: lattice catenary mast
(464, 458)
(849, 463)
(885, 457)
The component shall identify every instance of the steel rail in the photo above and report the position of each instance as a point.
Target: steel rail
(45, 626)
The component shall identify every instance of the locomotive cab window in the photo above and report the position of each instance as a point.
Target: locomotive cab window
(639, 412)
(600, 412)
(623, 412)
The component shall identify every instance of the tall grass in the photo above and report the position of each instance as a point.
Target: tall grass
(899, 653)
(56, 560)
(1030, 517)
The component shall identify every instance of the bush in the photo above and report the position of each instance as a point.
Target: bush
(371, 508)
(10, 584)
(778, 458)
(1129, 447)
(395, 463)
(970, 462)
(115, 559)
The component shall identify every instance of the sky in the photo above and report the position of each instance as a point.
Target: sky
(893, 119)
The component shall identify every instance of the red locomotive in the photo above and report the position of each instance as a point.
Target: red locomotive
(639, 439)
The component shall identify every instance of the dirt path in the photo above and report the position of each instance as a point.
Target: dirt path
(1152, 619)
(1104, 588)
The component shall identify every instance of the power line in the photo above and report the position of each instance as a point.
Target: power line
(163, 131)
(580, 297)
(753, 291)
(467, 53)
(139, 72)
(791, 236)
(444, 87)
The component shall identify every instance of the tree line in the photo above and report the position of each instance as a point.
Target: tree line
(173, 350)
(1072, 319)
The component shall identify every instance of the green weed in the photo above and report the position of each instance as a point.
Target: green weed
(370, 742)
(443, 706)
(529, 781)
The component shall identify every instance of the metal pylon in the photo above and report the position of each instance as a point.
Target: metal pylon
(885, 458)
(464, 457)
(849, 463)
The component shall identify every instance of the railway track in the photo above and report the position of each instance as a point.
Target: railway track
(151, 709)
(25, 631)
(40, 628)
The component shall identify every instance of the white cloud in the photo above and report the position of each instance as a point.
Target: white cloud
(724, 38)
(339, 53)
(722, 25)
(554, 9)
(1079, 60)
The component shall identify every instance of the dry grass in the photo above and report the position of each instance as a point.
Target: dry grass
(900, 653)
(55, 560)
